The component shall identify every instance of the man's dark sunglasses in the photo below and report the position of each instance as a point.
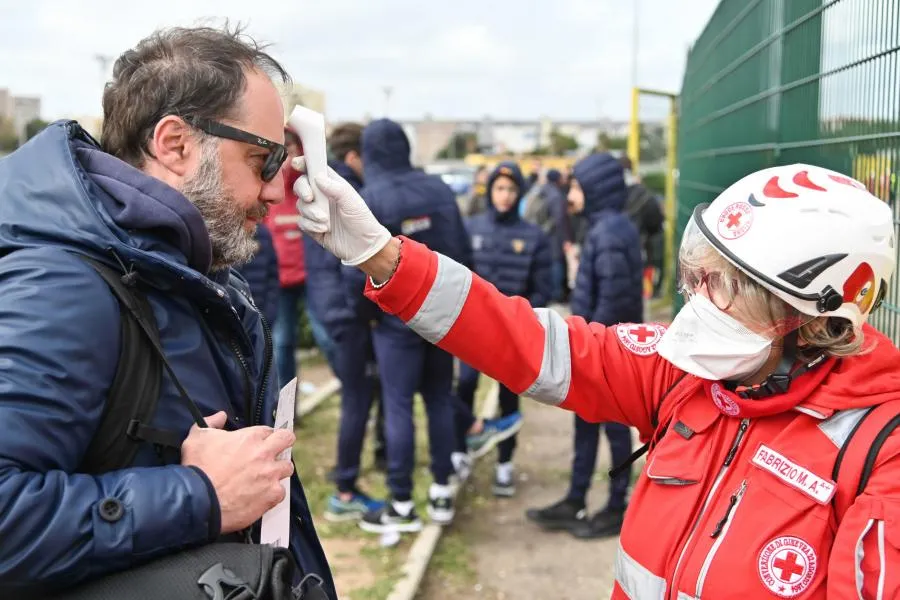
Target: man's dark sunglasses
(277, 152)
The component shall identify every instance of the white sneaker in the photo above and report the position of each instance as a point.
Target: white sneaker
(440, 504)
(462, 466)
(504, 481)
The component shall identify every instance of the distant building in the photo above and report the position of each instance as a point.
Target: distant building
(20, 110)
(6, 104)
(302, 95)
(25, 110)
(501, 136)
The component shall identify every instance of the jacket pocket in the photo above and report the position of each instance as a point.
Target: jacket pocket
(867, 551)
(765, 542)
(801, 494)
(683, 455)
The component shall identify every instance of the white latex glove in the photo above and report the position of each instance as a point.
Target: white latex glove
(352, 232)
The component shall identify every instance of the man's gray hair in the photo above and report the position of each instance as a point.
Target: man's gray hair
(198, 71)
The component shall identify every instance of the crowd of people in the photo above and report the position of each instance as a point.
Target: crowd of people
(139, 371)
(523, 236)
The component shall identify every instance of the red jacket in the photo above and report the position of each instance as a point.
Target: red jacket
(283, 221)
(735, 500)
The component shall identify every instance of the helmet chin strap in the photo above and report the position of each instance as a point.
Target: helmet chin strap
(780, 380)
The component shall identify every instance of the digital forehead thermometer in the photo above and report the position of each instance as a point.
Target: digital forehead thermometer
(310, 128)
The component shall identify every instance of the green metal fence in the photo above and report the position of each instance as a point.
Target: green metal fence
(772, 82)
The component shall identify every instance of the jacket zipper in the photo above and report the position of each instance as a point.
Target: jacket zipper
(267, 366)
(248, 533)
(248, 385)
(255, 416)
(742, 429)
(719, 533)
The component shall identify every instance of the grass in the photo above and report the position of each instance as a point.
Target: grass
(365, 560)
(315, 454)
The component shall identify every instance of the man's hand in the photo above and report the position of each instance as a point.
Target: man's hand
(352, 233)
(241, 466)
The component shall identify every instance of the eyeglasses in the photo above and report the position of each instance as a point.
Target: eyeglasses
(277, 152)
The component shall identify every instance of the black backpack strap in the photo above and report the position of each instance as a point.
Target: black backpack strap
(135, 389)
(856, 459)
(657, 434)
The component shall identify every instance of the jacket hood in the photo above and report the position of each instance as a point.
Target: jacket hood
(511, 170)
(602, 179)
(385, 149)
(61, 189)
(344, 170)
(863, 380)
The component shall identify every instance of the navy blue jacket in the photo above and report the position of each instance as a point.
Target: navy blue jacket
(407, 201)
(59, 349)
(609, 284)
(261, 274)
(327, 287)
(509, 252)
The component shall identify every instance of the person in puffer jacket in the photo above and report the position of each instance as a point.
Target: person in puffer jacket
(261, 274)
(354, 357)
(171, 200)
(608, 290)
(515, 256)
(410, 202)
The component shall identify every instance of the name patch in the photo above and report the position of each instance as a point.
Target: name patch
(819, 489)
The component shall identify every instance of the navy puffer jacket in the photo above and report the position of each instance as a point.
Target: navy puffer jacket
(510, 252)
(327, 288)
(608, 287)
(59, 349)
(407, 201)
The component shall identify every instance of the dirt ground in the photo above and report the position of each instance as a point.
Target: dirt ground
(509, 556)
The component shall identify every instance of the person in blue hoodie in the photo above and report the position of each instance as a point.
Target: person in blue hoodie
(261, 274)
(422, 207)
(192, 145)
(608, 290)
(515, 256)
(351, 333)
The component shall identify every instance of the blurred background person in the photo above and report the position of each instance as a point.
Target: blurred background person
(422, 207)
(607, 291)
(515, 256)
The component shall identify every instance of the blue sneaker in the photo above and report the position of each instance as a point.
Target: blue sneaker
(493, 432)
(351, 510)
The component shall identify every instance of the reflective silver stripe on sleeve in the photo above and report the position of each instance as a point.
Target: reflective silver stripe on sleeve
(860, 554)
(553, 381)
(840, 424)
(636, 581)
(444, 301)
(882, 570)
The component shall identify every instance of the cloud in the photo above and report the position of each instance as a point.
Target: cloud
(567, 59)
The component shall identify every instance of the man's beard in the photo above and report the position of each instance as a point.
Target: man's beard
(232, 244)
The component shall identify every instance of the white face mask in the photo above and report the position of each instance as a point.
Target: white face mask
(710, 344)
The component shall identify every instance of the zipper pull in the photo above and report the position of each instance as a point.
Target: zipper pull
(717, 531)
(745, 423)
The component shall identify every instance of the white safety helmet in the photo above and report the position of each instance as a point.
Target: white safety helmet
(815, 238)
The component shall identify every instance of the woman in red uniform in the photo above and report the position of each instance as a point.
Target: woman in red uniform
(761, 401)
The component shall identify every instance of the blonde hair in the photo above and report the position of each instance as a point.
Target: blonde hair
(835, 336)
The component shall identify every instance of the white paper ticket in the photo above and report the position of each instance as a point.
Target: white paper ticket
(276, 523)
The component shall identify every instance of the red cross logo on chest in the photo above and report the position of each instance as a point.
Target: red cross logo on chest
(787, 567)
(734, 219)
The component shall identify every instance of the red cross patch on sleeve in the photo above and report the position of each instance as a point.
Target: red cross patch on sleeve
(640, 338)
